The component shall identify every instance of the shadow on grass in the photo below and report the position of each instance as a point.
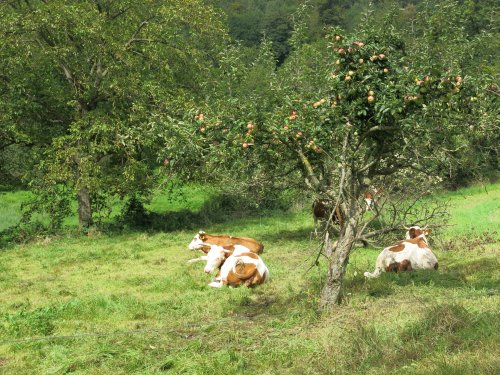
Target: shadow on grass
(218, 209)
(477, 274)
(135, 217)
(288, 235)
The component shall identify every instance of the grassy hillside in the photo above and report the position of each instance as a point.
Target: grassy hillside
(130, 304)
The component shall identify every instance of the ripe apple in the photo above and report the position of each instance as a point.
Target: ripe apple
(338, 38)
(371, 93)
(371, 99)
(250, 126)
(386, 70)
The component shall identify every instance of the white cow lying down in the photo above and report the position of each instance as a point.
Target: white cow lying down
(239, 267)
(409, 254)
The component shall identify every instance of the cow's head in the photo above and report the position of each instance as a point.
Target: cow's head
(215, 257)
(198, 241)
(416, 231)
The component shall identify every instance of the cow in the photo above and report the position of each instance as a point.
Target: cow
(321, 209)
(412, 253)
(217, 255)
(202, 242)
(240, 268)
(370, 198)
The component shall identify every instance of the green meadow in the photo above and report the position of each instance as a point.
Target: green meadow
(129, 303)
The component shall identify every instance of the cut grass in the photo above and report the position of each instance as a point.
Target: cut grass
(130, 304)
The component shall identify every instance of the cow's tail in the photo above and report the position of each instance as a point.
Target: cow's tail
(379, 267)
(373, 274)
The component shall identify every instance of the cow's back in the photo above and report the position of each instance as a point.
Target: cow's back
(226, 240)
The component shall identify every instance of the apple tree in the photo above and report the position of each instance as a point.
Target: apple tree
(341, 117)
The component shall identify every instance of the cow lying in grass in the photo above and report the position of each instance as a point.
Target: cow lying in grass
(409, 254)
(237, 266)
(202, 242)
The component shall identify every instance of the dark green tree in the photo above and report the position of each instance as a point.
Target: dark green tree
(84, 81)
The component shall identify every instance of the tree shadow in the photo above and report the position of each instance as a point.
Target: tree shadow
(218, 209)
(477, 275)
(300, 234)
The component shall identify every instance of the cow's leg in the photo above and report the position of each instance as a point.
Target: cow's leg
(405, 265)
(218, 277)
(197, 259)
(393, 267)
(216, 284)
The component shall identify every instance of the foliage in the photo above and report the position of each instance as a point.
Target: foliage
(358, 112)
(85, 80)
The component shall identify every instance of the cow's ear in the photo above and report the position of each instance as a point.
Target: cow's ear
(427, 232)
(412, 232)
(203, 236)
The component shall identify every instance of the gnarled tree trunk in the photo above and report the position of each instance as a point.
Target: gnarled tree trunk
(338, 258)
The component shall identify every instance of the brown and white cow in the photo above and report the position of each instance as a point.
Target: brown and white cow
(412, 253)
(322, 209)
(202, 242)
(217, 255)
(370, 197)
(240, 268)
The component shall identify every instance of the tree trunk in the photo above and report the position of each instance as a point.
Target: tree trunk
(84, 209)
(337, 265)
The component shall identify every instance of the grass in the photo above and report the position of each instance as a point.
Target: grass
(157, 315)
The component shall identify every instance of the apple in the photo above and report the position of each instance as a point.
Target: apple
(382, 56)
(386, 70)
(371, 99)
(250, 126)
(245, 145)
(361, 61)
(347, 78)
(202, 130)
(338, 38)
(285, 127)
(371, 93)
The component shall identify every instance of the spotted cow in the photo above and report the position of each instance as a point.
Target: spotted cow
(202, 242)
(412, 253)
(241, 268)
